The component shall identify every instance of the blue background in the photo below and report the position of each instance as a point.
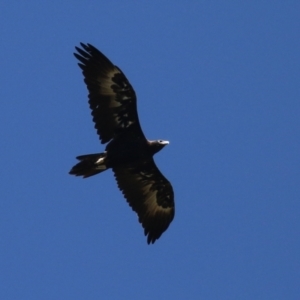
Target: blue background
(220, 80)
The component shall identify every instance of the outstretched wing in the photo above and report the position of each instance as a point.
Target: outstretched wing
(111, 97)
(149, 194)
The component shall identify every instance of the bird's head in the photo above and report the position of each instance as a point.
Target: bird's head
(158, 145)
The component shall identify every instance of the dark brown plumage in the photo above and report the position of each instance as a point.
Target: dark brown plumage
(128, 153)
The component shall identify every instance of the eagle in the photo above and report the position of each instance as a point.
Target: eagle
(128, 153)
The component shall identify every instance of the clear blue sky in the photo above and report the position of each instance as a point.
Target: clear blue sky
(220, 80)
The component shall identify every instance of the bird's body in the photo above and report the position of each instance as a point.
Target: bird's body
(128, 153)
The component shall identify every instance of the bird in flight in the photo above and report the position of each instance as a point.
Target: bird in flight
(128, 153)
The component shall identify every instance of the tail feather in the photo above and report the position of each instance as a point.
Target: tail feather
(89, 165)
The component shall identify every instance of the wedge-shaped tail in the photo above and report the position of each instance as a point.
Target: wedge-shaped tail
(89, 165)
